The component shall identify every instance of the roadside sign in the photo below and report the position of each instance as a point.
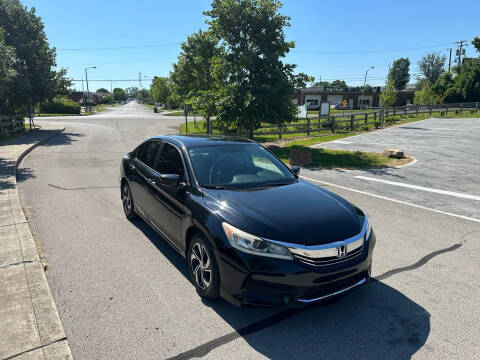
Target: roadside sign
(325, 108)
(302, 111)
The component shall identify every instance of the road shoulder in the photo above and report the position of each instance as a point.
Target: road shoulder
(29, 321)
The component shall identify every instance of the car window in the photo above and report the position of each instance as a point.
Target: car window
(170, 161)
(149, 153)
(238, 166)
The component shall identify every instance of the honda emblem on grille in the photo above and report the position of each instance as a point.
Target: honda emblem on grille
(342, 250)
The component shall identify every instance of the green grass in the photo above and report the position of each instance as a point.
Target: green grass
(48, 115)
(326, 158)
(325, 134)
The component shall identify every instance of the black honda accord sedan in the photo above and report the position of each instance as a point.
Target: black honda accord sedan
(250, 229)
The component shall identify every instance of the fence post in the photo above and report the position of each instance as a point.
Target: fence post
(382, 115)
(308, 126)
(430, 110)
(333, 124)
(352, 122)
(476, 107)
(417, 110)
(279, 132)
(446, 111)
(374, 117)
(461, 108)
(366, 118)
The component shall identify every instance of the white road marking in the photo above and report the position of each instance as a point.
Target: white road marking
(393, 200)
(422, 188)
(341, 142)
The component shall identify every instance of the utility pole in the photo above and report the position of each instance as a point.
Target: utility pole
(88, 91)
(460, 51)
(450, 59)
(364, 83)
(83, 92)
(139, 80)
(111, 85)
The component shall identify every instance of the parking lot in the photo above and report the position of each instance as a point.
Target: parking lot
(124, 293)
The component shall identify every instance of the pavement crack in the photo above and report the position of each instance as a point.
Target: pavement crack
(81, 188)
(35, 348)
(419, 263)
(19, 263)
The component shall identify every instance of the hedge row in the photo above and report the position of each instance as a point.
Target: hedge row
(60, 106)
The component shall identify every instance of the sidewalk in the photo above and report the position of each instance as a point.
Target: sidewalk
(30, 326)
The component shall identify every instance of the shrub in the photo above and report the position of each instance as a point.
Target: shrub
(60, 106)
(457, 112)
(472, 111)
(377, 124)
(442, 113)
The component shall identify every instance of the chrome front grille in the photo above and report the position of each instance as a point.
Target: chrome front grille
(328, 260)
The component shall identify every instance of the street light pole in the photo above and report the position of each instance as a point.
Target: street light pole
(365, 82)
(88, 91)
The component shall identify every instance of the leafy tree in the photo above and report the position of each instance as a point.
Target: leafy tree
(368, 88)
(389, 96)
(399, 73)
(338, 85)
(259, 85)
(476, 43)
(144, 95)
(302, 80)
(7, 68)
(322, 83)
(443, 86)
(197, 74)
(467, 82)
(103, 90)
(119, 94)
(160, 90)
(431, 66)
(425, 96)
(132, 91)
(35, 79)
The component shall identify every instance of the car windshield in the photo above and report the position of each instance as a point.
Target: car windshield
(238, 166)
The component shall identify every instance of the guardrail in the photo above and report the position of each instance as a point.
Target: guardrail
(11, 124)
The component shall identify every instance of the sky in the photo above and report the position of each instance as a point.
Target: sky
(333, 39)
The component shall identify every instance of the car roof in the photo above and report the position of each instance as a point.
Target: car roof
(202, 139)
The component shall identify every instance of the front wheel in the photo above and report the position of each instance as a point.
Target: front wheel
(127, 201)
(203, 268)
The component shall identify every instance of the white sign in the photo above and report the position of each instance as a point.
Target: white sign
(325, 108)
(302, 111)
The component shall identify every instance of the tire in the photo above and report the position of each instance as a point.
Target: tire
(127, 201)
(203, 268)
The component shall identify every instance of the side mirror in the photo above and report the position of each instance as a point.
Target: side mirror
(170, 180)
(295, 169)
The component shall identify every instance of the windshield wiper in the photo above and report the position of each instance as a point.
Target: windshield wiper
(217, 187)
(276, 184)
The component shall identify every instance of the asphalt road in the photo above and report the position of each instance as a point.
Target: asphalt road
(123, 293)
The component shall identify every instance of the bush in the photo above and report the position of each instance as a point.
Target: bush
(442, 113)
(377, 124)
(60, 106)
(472, 111)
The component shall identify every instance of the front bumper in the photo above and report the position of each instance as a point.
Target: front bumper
(252, 280)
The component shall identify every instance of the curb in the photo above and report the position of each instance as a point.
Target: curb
(53, 341)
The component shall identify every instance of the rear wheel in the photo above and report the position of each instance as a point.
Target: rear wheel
(127, 201)
(203, 268)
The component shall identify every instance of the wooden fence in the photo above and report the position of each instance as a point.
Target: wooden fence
(351, 121)
(11, 124)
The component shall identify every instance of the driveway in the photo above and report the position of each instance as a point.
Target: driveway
(124, 293)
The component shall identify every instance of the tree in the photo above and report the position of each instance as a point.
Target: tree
(322, 83)
(476, 43)
(119, 94)
(198, 75)
(259, 85)
(103, 91)
(444, 88)
(399, 73)
(431, 66)
(7, 69)
(426, 95)
(368, 88)
(338, 85)
(467, 82)
(132, 91)
(302, 80)
(144, 95)
(35, 78)
(389, 96)
(160, 90)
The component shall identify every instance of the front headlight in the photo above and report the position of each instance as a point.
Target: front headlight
(253, 244)
(368, 231)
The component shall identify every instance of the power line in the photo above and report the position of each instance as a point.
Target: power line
(119, 47)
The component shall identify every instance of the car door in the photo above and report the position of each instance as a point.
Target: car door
(141, 183)
(170, 211)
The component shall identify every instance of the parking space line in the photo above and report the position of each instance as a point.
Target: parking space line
(422, 188)
(393, 200)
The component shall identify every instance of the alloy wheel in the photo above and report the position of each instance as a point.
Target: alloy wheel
(126, 199)
(201, 266)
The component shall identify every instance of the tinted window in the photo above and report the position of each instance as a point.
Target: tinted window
(149, 153)
(239, 165)
(170, 161)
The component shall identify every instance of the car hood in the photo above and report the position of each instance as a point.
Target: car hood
(299, 213)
